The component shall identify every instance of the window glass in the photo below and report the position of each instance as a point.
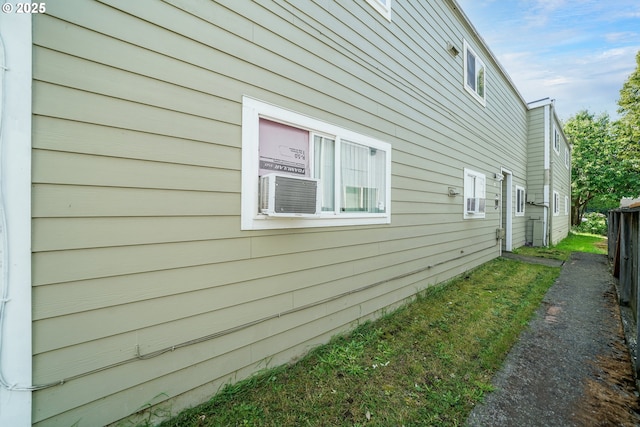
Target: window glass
(324, 169)
(471, 70)
(520, 201)
(474, 194)
(474, 74)
(363, 176)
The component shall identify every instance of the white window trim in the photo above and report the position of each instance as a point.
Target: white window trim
(477, 215)
(481, 99)
(252, 111)
(383, 7)
(567, 161)
(556, 203)
(523, 199)
(566, 205)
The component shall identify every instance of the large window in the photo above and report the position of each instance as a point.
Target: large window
(474, 194)
(353, 171)
(474, 74)
(520, 200)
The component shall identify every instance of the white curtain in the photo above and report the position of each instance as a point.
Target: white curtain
(363, 175)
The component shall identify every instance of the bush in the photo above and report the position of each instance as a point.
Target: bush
(593, 223)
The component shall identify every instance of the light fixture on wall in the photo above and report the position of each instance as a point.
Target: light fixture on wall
(453, 192)
(452, 49)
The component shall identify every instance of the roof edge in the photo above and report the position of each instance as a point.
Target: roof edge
(457, 7)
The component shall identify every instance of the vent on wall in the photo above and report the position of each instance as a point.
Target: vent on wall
(287, 195)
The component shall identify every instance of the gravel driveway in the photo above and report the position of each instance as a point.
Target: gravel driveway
(570, 360)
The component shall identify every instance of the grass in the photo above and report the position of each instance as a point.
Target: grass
(428, 363)
(575, 242)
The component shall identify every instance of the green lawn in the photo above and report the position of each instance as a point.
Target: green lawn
(575, 242)
(428, 363)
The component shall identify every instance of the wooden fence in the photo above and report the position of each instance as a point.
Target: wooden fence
(624, 255)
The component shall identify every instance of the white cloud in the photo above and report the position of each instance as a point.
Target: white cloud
(579, 52)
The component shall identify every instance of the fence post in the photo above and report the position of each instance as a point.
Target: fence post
(623, 244)
(612, 235)
(635, 276)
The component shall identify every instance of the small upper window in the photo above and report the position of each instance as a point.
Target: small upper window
(567, 159)
(383, 7)
(566, 205)
(556, 140)
(520, 199)
(474, 194)
(474, 74)
(556, 203)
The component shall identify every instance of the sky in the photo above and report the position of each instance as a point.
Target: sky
(578, 52)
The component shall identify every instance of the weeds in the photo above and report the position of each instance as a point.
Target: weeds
(428, 363)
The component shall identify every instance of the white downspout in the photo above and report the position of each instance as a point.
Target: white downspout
(547, 147)
(15, 219)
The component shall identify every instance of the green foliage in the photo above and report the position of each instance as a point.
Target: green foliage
(602, 204)
(603, 165)
(629, 103)
(606, 155)
(594, 223)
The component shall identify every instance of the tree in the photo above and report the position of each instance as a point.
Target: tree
(627, 129)
(629, 103)
(605, 162)
(591, 169)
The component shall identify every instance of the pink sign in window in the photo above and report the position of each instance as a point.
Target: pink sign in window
(283, 149)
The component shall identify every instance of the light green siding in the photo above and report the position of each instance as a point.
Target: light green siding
(561, 183)
(544, 177)
(535, 213)
(144, 287)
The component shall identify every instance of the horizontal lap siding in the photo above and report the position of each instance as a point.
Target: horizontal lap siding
(561, 176)
(137, 169)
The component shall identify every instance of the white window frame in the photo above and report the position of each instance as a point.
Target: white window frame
(479, 191)
(566, 205)
(567, 159)
(251, 219)
(383, 7)
(556, 203)
(556, 140)
(482, 99)
(520, 207)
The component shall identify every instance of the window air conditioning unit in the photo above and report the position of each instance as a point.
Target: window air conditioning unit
(289, 196)
(475, 205)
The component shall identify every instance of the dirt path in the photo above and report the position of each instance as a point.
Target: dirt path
(571, 366)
